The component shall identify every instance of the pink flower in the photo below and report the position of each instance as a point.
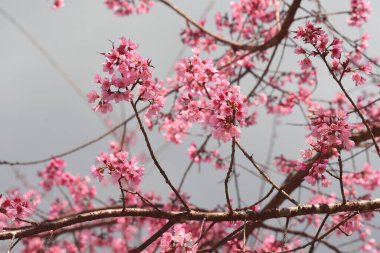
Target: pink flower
(125, 8)
(118, 167)
(366, 68)
(299, 50)
(126, 69)
(358, 79)
(177, 241)
(305, 63)
(92, 96)
(58, 4)
(15, 205)
(360, 9)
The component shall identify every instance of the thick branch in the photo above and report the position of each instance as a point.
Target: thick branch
(293, 182)
(350, 206)
(236, 45)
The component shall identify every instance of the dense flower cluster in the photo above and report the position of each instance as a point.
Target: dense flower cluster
(195, 37)
(128, 69)
(207, 98)
(318, 38)
(79, 187)
(127, 7)
(360, 9)
(118, 167)
(247, 16)
(329, 133)
(17, 206)
(367, 178)
(177, 241)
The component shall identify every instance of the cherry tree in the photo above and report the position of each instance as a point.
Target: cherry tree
(234, 77)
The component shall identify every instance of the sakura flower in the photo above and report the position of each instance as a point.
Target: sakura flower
(118, 167)
(358, 79)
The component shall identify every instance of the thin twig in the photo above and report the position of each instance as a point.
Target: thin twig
(265, 175)
(154, 237)
(311, 250)
(341, 178)
(201, 149)
(229, 174)
(161, 170)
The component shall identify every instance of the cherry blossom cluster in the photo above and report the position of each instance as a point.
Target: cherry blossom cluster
(174, 128)
(230, 62)
(329, 133)
(356, 56)
(246, 17)
(80, 188)
(207, 98)
(270, 244)
(360, 9)
(118, 167)
(367, 178)
(209, 94)
(318, 38)
(177, 241)
(127, 7)
(204, 156)
(195, 37)
(286, 166)
(128, 69)
(16, 206)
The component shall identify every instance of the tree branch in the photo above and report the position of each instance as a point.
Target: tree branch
(236, 45)
(177, 216)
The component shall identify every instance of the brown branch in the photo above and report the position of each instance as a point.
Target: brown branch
(291, 183)
(230, 210)
(236, 45)
(91, 215)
